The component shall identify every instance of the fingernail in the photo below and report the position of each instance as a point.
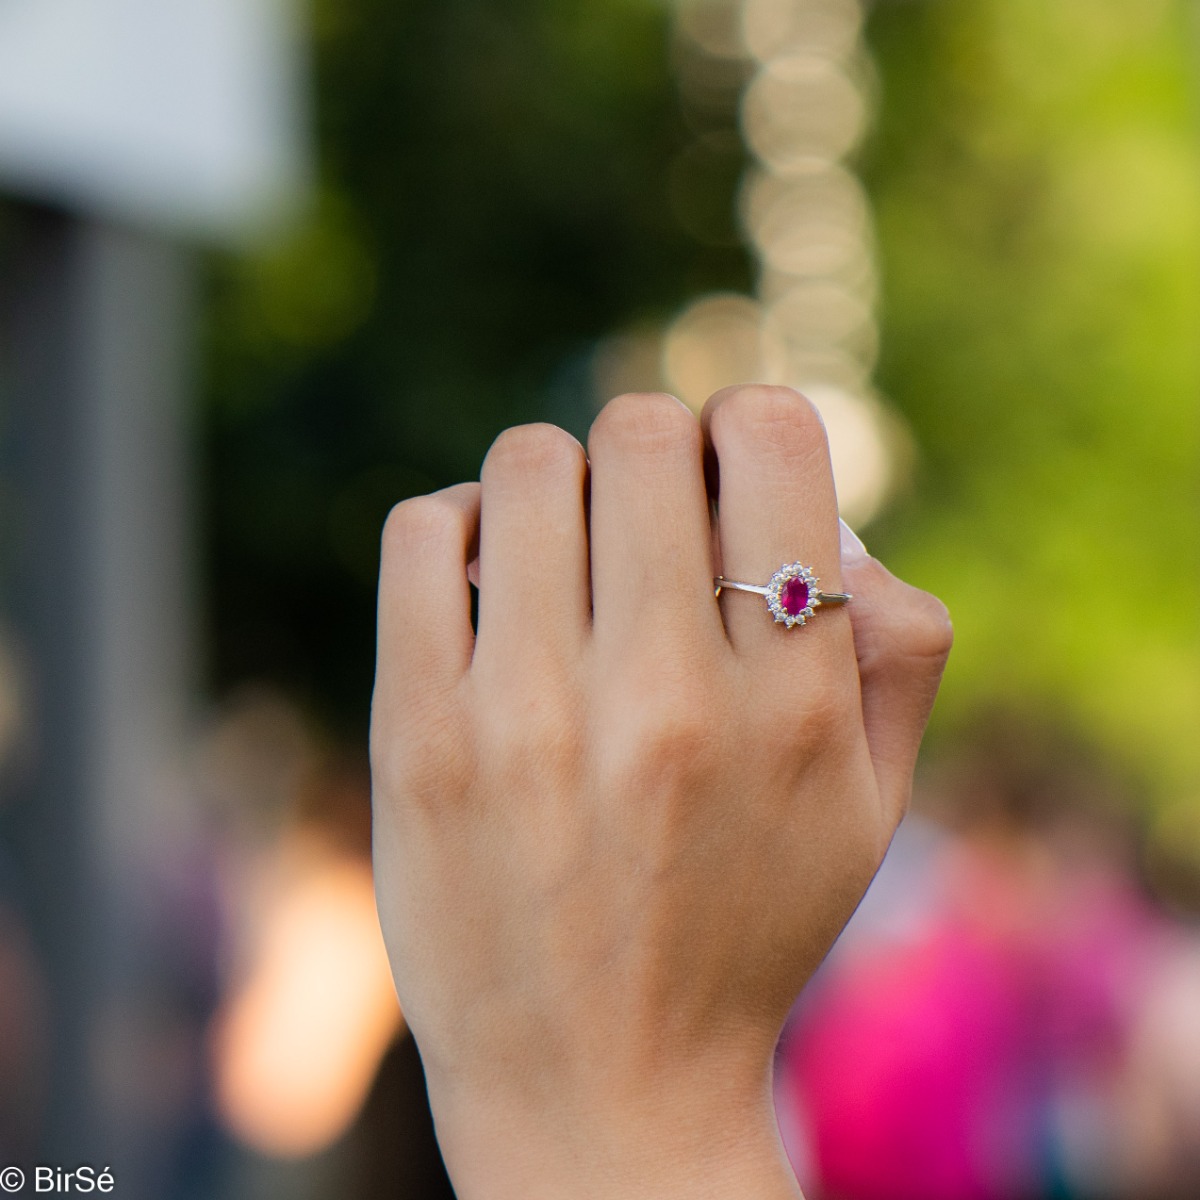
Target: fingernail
(852, 546)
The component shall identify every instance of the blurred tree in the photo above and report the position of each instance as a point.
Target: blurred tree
(494, 199)
(496, 196)
(1036, 177)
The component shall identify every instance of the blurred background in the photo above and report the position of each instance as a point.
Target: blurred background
(265, 271)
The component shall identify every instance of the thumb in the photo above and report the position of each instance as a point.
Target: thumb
(902, 638)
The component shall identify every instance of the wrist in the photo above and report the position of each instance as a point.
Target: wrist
(707, 1138)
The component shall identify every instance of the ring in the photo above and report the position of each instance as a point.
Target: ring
(793, 593)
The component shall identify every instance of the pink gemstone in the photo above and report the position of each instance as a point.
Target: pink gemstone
(794, 597)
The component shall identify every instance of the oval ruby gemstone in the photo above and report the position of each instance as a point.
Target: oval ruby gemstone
(794, 597)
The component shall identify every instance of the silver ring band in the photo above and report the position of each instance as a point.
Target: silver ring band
(722, 584)
(793, 593)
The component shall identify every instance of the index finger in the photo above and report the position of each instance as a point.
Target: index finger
(425, 640)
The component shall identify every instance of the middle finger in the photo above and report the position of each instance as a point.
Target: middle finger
(650, 531)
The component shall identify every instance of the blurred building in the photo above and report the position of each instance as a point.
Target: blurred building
(128, 131)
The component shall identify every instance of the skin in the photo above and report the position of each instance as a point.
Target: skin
(617, 830)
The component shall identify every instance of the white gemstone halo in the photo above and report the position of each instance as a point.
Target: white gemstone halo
(788, 614)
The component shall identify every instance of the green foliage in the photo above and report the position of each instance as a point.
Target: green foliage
(494, 199)
(501, 185)
(1037, 188)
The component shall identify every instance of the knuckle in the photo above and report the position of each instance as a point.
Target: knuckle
(775, 416)
(666, 733)
(673, 745)
(535, 448)
(905, 624)
(818, 708)
(534, 739)
(420, 521)
(420, 758)
(919, 623)
(645, 420)
(828, 723)
(816, 718)
(930, 631)
(553, 757)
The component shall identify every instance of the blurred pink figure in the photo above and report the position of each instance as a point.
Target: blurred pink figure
(966, 1039)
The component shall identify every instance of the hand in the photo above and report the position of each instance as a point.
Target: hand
(618, 829)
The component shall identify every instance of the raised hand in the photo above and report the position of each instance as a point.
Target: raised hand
(618, 828)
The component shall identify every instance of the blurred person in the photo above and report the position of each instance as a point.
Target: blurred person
(301, 1035)
(618, 825)
(309, 1056)
(988, 995)
(1161, 1086)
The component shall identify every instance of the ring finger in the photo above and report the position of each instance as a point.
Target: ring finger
(775, 505)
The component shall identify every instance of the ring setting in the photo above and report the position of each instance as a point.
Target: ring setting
(793, 593)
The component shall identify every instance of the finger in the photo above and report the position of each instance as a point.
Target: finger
(902, 637)
(650, 530)
(425, 639)
(533, 548)
(776, 504)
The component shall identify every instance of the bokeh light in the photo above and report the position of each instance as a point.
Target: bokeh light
(811, 325)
